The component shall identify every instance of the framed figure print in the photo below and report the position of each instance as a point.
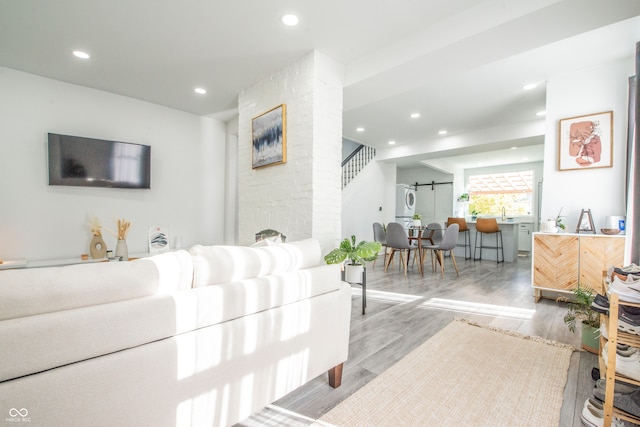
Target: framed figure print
(269, 137)
(586, 142)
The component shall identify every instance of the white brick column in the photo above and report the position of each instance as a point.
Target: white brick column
(301, 198)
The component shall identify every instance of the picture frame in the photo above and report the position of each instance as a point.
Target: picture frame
(158, 239)
(585, 142)
(269, 138)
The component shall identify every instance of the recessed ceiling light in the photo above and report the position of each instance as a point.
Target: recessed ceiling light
(359, 129)
(392, 143)
(442, 132)
(541, 113)
(514, 148)
(80, 54)
(530, 86)
(415, 115)
(289, 20)
(200, 90)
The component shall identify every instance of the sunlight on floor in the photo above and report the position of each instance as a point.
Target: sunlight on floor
(392, 297)
(294, 418)
(479, 309)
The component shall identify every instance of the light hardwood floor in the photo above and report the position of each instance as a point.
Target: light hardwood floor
(400, 316)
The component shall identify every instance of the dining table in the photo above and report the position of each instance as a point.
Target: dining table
(419, 235)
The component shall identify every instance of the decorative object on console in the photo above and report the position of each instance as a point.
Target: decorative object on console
(158, 239)
(586, 142)
(559, 223)
(97, 247)
(610, 231)
(269, 137)
(585, 222)
(122, 251)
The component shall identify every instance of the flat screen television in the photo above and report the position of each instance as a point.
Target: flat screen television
(88, 162)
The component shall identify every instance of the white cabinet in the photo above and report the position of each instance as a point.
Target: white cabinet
(524, 236)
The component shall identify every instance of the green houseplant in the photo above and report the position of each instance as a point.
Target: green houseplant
(580, 311)
(417, 220)
(357, 254)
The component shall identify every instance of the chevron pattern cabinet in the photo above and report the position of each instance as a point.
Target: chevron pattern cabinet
(562, 260)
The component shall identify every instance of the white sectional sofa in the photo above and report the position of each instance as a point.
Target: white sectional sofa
(203, 337)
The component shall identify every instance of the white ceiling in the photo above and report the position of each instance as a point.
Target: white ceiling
(460, 63)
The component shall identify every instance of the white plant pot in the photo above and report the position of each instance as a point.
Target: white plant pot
(548, 227)
(417, 223)
(353, 273)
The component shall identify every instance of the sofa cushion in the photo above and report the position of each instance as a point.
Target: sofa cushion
(221, 264)
(27, 292)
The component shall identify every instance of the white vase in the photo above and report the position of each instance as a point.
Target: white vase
(417, 223)
(122, 251)
(353, 273)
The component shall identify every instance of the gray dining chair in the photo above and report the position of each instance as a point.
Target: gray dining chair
(398, 241)
(448, 244)
(435, 233)
(380, 236)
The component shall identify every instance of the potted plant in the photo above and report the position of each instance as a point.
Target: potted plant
(559, 223)
(357, 254)
(417, 220)
(474, 214)
(580, 311)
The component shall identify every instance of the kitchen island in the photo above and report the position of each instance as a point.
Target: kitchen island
(510, 231)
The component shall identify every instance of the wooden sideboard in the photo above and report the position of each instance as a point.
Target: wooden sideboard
(561, 261)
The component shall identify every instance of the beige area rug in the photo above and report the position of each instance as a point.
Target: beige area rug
(465, 375)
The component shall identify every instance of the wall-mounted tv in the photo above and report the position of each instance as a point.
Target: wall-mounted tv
(88, 162)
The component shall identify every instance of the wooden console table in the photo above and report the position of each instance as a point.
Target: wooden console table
(561, 261)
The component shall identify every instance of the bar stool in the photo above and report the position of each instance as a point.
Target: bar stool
(489, 226)
(462, 223)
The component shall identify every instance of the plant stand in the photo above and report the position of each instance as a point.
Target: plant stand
(363, 283)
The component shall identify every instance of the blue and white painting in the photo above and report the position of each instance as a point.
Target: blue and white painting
(269, 137)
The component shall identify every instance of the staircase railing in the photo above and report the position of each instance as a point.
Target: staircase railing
(355, 162)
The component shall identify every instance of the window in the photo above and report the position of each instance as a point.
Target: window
(489, 193)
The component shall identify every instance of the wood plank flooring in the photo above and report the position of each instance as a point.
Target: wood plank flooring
(403, 312)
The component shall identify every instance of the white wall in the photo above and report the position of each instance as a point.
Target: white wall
(368, 198)
(38, 221)
(592, 90)
(300, 198)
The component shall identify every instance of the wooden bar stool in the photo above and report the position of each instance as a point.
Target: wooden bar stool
(489, 226)
(462, 223)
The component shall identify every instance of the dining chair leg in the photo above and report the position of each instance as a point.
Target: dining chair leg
(405, 261)
(393, 251)
(433, 261)
(453, 258)
(441, 258)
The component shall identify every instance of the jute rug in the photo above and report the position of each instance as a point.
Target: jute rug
(465, 375)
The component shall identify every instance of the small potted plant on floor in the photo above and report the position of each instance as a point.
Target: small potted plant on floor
(356, 254)
(580, 311)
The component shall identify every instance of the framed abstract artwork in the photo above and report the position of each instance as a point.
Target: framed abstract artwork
(586, 142)
(269, 137)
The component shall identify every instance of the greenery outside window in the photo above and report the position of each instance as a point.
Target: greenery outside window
(513, 191)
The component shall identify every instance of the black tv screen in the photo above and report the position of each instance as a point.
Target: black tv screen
(88, 162)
